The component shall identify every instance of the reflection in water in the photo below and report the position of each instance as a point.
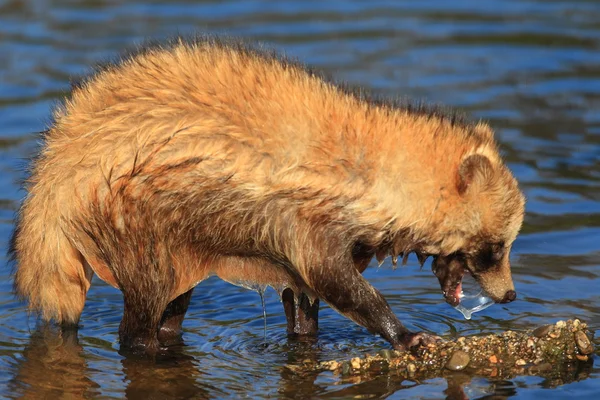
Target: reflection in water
(296, 381)
(53, 366)
(172, 375)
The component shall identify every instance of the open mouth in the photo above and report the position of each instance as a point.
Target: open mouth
(450, 272)
(453, 295)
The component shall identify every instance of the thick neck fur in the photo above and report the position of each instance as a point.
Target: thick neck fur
(410, 164)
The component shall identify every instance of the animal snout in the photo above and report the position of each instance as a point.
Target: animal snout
(509, 296)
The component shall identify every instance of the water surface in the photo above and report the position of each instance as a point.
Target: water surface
(529, 68)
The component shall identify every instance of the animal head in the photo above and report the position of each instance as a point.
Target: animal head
(491, 209)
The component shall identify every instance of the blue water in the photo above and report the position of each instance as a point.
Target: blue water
(529, 68)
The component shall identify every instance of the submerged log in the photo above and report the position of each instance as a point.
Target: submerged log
(536, 352)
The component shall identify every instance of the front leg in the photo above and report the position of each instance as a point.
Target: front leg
(337, 281)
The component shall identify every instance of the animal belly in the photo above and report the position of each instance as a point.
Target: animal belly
(256, 274)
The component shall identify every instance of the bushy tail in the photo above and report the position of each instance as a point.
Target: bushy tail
(49, 273)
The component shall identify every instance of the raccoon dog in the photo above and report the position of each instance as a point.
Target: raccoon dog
(210, 157)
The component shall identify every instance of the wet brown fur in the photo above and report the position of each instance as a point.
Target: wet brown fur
(207, 157)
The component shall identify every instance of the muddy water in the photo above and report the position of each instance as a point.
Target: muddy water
(530, 68)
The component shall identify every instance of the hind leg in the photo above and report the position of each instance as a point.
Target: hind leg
(138, 331)
(169, 331)
(142, 313)
(302, 316)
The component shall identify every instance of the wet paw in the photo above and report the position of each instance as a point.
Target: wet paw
(143, 347)
(170, 337)
(419, 339)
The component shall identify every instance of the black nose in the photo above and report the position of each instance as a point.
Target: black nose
(509, 296)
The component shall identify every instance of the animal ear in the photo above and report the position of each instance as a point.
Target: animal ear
(474, 171)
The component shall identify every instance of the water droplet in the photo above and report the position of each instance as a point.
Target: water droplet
(261, 293)
(472, 297)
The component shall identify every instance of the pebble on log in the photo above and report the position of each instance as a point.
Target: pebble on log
(507, 353)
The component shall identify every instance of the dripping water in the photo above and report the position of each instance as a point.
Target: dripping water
(296, 312)
(261, 293)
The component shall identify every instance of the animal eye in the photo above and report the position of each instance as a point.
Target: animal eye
(497, 252)
(488, 256)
